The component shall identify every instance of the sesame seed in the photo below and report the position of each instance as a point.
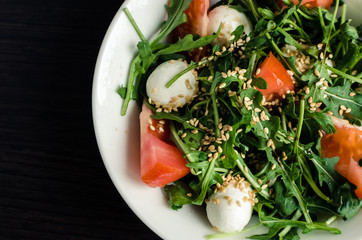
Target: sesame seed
(352, 94)
(264, 186)
(222, 85)
(343, 107)
(259, 181)
(348, 110)
(273, 167)
(310, 100)
(183, 135)
(269, 143)
(317, 73)
(320, 133)
(354, 72)
(321, 55)
(152, 128)
(307, 90)
(340, 112)
(257, 71)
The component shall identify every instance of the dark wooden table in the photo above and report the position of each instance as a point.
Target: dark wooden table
(53, 184)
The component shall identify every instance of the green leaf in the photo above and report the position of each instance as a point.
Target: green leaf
(177, 194)
(350, 205)
(285, 203)
(175, 16)
(186, 44)
(337, 96)
(146, 55)
(238, 32)
(259, 83)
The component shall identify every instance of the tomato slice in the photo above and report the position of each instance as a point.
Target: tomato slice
(312, 3)
(346, 144)
(197, 22)
(197, 19)
(277, 77)
(161, 162)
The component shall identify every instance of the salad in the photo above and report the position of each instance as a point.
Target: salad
(252, 107)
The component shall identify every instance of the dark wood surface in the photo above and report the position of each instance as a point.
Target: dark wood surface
(53, 184)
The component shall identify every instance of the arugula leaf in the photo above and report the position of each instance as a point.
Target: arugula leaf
(177, 194)
(349, 203)
(175, 12)
(186, 44)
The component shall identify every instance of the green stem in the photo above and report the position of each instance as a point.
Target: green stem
(189, 68)
(299, 127)
(252, 8)
(134, 24)
(297, 194)
(308, 176)
(345, 75)
(130, 85)
(331, 219)
(216, 114)
(284, 122)
(300, 30)
(285, 231)
(331, 28)
(205, 183)
(343, 13)
(303, 14)
(251, 178)
(321, 20)
(298, 19)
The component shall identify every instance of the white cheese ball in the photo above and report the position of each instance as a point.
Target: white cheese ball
(230, 210)
(177, 94)
(229, 19)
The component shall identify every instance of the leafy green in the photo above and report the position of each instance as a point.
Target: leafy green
(275, 145)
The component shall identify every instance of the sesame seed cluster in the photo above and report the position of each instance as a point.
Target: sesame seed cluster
(237, 182)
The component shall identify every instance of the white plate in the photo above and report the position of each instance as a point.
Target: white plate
(118, 137)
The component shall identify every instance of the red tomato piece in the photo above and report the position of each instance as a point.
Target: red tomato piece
(312, 3)
(277, 77)
(197, 22)
(161, 162)
(346, 144)
(197, 19)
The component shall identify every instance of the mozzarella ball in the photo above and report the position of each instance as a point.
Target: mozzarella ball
(229, 19)
(231, 208)
(179, 93)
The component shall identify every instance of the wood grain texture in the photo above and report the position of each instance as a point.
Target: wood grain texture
(53, 184)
